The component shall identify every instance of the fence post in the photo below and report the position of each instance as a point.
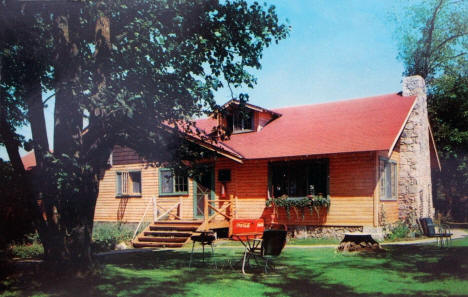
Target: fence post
(205, 208)
(236, 207)
(155, 209)
(180, 208)
(231, 206)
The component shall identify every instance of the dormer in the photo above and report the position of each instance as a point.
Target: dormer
(244, 118)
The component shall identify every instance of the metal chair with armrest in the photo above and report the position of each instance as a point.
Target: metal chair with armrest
(441, 232)
(268, 247)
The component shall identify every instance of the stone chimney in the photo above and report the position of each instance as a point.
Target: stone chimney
(415, 183)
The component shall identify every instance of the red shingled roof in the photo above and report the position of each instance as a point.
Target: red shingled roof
(357, 125)
(29, 160)
(368, 124)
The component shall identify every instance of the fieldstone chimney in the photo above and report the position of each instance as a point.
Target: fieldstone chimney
(415, 183)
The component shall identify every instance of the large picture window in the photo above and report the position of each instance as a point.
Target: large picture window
(299, 178)
(172, 184)
(128, 183)
(388, 179)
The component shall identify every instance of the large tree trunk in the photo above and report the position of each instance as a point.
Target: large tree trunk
(69, 214)
(68, 195)
(67, 115)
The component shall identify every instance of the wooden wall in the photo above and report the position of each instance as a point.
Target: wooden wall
(352, 184)
(131, 209)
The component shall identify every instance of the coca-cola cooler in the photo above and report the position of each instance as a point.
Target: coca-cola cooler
(240, 226)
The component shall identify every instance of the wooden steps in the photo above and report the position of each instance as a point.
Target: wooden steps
(169, 234)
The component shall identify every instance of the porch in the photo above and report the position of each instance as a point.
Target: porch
(168, 226)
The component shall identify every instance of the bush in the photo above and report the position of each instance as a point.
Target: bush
(25, 251)
(15, 217)
(107, 235)
(402, 230)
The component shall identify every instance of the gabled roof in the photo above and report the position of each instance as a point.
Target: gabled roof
(357, 125)
(251, 106)
(367, 124)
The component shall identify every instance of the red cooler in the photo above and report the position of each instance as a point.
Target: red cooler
(240, 226)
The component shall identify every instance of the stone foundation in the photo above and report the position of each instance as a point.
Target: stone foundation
(322, 231)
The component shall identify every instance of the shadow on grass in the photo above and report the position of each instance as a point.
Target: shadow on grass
(418, 270)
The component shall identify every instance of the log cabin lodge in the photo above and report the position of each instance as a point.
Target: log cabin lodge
(372, 157)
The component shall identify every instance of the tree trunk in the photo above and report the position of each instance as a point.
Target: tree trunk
(67, 114)
(69, 197)
(36, 117)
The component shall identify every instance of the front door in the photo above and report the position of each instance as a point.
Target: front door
(204, 185)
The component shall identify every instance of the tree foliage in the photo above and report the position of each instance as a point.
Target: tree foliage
(130, 73)
(433, 39)
(448, 113)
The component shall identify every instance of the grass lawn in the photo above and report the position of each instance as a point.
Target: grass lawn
(421, 270)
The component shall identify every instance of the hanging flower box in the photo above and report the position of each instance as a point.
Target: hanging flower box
(314, 203)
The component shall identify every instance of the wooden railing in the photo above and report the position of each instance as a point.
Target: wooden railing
(150, 202)
(226, 210)
(158, 207)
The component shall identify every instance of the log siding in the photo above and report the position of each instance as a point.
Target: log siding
(353, 190)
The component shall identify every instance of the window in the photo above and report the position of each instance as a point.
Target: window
(299, 179)
(388, 179)
(128, 183)
(172, 184)
(241, 121)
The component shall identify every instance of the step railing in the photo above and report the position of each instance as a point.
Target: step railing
(156, 203)
(167, 211)
(148, 204)
(226, 210)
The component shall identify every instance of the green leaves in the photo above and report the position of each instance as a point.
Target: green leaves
(433, 37)
(313, 203)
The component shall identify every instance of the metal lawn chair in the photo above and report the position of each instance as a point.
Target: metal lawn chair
(268, 247)
(441, 232)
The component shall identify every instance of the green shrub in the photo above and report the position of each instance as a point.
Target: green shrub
(399, 231)
(32, 250)
(107, 235)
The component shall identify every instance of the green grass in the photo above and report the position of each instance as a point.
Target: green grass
(420, 270)
(314, 241)
(291, 242)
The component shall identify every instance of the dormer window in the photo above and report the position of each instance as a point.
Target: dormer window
(241, 121)
(242, 118)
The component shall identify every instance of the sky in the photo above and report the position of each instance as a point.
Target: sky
(337, 49)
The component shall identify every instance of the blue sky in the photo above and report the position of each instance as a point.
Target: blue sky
(336, 50)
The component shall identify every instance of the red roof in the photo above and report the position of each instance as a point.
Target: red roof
(357, 125)
(29, 160)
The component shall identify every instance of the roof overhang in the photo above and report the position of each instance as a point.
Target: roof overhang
(235, 157)
(250, 106)
(392, 147)
(215, 147)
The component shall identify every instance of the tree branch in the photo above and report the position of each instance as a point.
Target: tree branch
(440, 45)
